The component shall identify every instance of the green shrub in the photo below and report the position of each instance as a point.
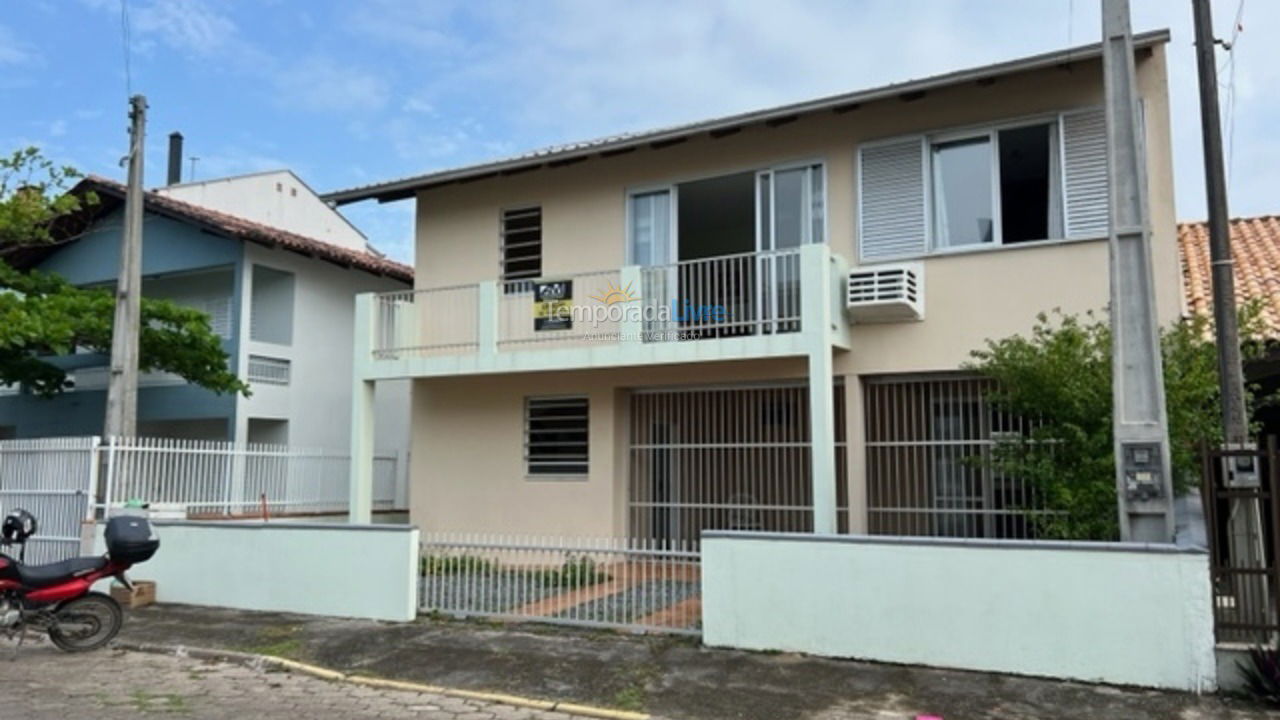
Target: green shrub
(455, 565)
(1059, 376)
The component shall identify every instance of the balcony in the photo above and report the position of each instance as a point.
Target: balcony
(750, 305)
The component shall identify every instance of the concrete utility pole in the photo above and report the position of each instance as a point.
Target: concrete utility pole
(1143, 479)
(1235, 426)
(122, 388)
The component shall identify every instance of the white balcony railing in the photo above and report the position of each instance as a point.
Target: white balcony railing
(713, 298)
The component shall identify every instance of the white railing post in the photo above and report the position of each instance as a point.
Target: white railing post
(111, 475)
(487, 318)
(631, 327)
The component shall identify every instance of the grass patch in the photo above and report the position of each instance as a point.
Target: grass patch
(574, 572)
(631, 697)
(278, 640)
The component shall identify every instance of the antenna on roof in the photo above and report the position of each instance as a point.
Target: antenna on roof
(192, 175)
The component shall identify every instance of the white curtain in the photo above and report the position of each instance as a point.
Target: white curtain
(651, 228)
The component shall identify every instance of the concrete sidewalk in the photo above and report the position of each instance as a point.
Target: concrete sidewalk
(665, 676)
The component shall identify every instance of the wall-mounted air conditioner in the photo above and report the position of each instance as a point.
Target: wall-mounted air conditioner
(886, 293)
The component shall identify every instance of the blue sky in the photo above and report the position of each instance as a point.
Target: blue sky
(348, 93)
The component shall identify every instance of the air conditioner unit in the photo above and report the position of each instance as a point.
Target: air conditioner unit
(886, 293)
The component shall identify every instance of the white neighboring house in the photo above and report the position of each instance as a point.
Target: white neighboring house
(278, 198)
(277, 270)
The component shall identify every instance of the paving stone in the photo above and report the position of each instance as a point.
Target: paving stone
(47, 684)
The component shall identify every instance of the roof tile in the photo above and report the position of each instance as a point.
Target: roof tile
(1255, 247)
(247, 230)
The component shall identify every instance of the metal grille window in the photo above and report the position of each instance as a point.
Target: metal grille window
(269, 370)
(521, 248)
(555, 431)
(928, 440)
(726, 458)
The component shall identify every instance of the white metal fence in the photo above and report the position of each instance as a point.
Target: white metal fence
(433, 321)
(205, 478)
(62, 480)
(53, 479)
(718, 297)
(590, 293)
(727, 296)
(624, 583)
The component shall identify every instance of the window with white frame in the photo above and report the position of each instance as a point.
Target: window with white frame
(555, 435)
(791, 207)
(1018, 182)
(997, 187)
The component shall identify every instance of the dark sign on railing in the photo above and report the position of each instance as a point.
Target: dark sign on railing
(553, 305)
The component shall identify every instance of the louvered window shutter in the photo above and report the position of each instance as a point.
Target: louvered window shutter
(891, 206)
(1084, 158)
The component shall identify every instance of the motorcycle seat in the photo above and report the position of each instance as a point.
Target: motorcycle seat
(38, 576)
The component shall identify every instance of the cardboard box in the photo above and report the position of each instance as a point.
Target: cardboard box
(143, 594)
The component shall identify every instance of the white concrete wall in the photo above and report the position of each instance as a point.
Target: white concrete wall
(277, 198)
(1089, 611)
(362, 571)
(317, 402)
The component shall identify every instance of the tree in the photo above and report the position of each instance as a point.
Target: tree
(1059, 379)
(44, 316)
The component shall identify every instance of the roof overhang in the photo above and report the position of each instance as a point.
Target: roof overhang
(720, 127)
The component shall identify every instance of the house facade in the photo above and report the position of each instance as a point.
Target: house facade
(755, 322)
(280, 300)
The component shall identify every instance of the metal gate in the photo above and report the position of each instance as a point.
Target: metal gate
(928, 439)
(52, 478)
(1244, 543)
(725, 458)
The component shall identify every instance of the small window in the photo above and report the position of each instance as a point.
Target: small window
(521, 248)
(555, 431)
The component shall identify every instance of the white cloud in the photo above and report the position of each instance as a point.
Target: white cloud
(187, 25)
(322, 83)
(570, 69)
(15, 52)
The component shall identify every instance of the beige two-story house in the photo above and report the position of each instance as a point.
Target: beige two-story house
(757, 321)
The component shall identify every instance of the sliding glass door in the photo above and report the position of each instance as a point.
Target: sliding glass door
(790, 212)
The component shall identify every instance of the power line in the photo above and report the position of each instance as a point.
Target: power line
(126, 42)
(1236, 28)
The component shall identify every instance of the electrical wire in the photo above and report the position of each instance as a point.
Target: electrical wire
(1236, 28)
(126, 42)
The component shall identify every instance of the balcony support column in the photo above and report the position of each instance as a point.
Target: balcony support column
(816, 289)
(360, 509)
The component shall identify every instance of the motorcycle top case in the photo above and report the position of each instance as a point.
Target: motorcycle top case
(130, 539)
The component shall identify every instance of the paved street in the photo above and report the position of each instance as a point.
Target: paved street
(46, 684)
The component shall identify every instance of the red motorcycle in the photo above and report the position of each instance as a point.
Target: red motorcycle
(57, 598)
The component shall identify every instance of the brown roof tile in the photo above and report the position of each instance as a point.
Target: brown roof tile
(247, 230)
(1255, 247)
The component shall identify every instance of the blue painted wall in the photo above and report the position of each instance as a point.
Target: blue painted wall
(168, 246)
(81, 413)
